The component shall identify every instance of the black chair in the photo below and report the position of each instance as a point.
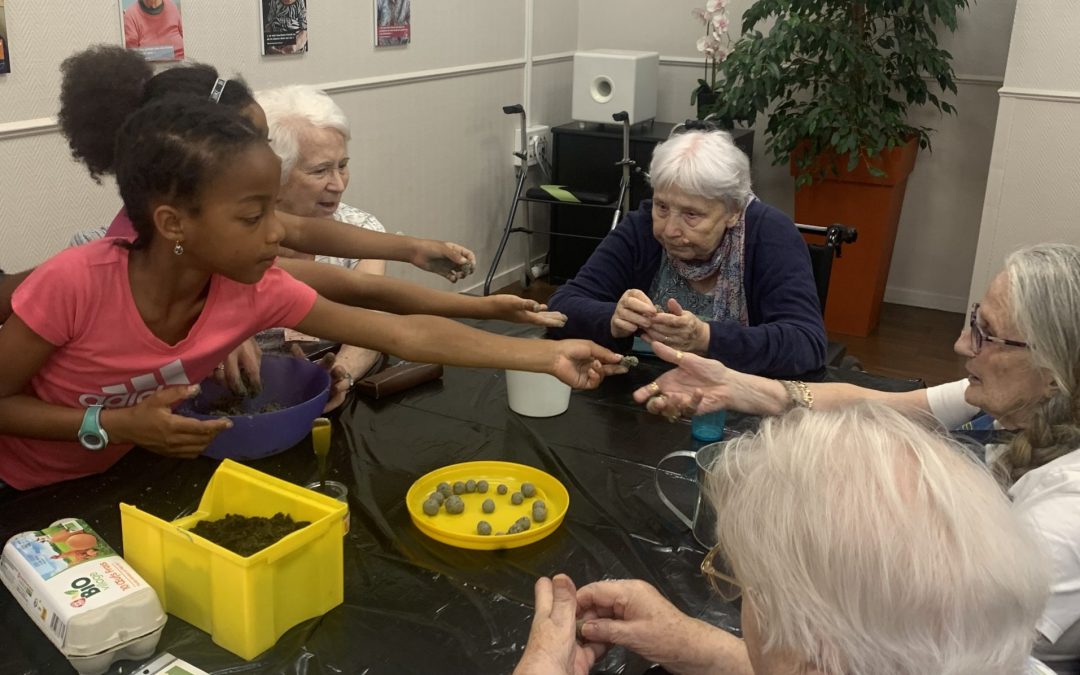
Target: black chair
(821, 261)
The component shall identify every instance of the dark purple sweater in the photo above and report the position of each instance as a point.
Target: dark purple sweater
(785, 338)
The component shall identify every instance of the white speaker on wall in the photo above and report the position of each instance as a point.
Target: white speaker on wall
(607, 81)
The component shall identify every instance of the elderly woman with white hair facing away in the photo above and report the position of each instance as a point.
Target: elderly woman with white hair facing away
(863, 544)
(310, 133)
(704, 267)
(1022, 395)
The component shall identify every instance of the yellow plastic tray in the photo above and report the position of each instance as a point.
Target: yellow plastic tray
(460, 529)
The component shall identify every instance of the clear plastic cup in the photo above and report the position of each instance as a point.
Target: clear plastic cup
(338, 491)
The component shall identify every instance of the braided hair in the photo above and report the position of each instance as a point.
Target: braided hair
(170, 150)
(1044, 294)
(103, 85)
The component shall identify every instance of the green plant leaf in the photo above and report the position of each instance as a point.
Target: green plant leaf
(840, 74)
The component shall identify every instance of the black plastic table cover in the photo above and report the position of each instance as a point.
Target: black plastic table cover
(413, 604)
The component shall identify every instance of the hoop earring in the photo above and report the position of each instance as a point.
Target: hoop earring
(178, 249)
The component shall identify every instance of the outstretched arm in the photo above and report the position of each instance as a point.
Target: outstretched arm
(701, 385)
(387, 294)
(330, 237)
(430, 339)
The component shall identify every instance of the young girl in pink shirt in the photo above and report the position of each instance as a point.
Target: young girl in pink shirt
(106, 338)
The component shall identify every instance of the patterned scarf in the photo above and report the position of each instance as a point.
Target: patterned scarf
(727, 263)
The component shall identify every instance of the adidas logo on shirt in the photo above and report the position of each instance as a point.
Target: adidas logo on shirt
(120, 396)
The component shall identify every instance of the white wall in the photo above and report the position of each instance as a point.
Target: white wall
(935, 246)
(431, 146)
(1032, 194)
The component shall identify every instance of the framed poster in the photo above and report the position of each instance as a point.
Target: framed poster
(153, 28)
(284, 26)
(393, 22)
(5, 49)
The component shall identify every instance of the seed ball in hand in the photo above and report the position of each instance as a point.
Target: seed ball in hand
(483, 527)
(431, 507)
(482, 486)
(528, 489)
(444, 489)
(488, 506)
(459, 487)
(516, 498)
(470, 486)
(454, 504)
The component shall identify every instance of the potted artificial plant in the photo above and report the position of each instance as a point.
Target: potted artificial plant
(714, 45)
(836, 78)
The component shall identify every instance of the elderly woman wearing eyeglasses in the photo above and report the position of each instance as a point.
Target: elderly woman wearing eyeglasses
(1022, 395)
(864, 544)
(704, 267)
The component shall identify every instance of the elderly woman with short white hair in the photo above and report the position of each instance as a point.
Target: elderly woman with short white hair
(310, 133)
(864, 543)
(1022, 397)
(704, 267)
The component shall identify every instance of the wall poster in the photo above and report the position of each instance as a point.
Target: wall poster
(393, 22)
(5, 54)
(153, 28)
(284, 27)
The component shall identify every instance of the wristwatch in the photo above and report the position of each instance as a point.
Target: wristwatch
(91, 435)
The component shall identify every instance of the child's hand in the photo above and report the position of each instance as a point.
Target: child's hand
(240, 369)
(522, 310)
(153, 425)
(444, 258)
(341, 380)
(583, 364)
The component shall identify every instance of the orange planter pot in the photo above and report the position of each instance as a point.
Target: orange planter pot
(872, 205)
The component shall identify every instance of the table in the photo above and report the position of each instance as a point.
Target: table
(413, 604)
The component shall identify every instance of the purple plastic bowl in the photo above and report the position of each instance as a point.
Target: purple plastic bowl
(298, 385)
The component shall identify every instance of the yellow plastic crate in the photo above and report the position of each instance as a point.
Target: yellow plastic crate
(245, 604)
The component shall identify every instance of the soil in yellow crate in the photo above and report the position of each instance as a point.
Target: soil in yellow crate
(247, 535)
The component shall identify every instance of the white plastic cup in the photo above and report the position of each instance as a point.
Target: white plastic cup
(536, 394)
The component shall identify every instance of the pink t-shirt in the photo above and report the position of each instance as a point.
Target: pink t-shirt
(142, 29)
(81, 302)
(121, 226)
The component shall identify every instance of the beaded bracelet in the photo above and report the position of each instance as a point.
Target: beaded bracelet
(799, 393)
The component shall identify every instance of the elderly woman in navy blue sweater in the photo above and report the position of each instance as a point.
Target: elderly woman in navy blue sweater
(704, 267)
